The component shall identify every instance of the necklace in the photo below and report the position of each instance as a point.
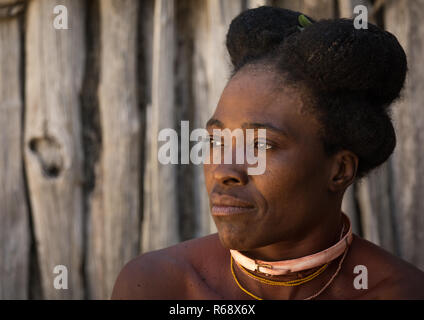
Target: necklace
(291, 283)
(275, 268)
(304, 280)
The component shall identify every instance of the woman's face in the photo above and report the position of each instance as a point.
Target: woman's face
(291, 196)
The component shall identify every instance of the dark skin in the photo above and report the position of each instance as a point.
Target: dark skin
(296, 212)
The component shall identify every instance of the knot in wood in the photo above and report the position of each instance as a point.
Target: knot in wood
(49, 155)
(12, 9)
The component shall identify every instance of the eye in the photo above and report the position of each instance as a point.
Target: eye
(262, 145)
(215, 142)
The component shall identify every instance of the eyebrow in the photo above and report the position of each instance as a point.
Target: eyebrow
(267, 126)
(249, 125)
(214, 123)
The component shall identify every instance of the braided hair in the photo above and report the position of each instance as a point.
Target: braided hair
(352, 76)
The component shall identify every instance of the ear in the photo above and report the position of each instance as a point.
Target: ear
(343, 171)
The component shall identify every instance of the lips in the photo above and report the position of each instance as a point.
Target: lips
(224, 205)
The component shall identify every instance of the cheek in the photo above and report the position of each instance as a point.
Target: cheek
(290, 177)
(208, 174)
(282, 170)
(285, 189)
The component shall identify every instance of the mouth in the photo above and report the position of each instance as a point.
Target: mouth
(225, 205)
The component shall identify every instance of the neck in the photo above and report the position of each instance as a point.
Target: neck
(318, 238)
(324, 236)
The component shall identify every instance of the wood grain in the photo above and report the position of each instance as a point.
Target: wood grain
(323, 9)
(14, 227)
(402, 18)
(160, 215)
(53, 151)
(115, 202)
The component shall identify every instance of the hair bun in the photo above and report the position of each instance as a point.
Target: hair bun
(256, 32)
(339, 58)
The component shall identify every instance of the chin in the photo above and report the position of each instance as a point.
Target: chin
(231, 240)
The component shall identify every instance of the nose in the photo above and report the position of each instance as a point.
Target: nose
(230, 175)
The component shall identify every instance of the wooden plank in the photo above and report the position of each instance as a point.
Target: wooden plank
(91, 136)
(345, 8)
(219, 16)
(147, 27)
(115, 201)
(407, 162)
(53, 151)
(160, 217)
(14, 228)
(380, 215)
(184, 110)
(258, 3)
(202, 112)
(323, 9)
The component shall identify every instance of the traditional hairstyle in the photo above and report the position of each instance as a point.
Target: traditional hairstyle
(352, 75)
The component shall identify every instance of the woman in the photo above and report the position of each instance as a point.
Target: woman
(322, 90)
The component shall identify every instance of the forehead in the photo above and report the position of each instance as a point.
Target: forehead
(254, 96)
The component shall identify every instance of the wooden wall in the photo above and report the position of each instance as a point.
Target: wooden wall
(80, 111)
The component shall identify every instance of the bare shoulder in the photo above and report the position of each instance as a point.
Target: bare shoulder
(146, 276)
(390, 277)
(169, 273)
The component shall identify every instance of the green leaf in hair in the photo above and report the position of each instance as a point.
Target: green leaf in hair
(304, 22)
